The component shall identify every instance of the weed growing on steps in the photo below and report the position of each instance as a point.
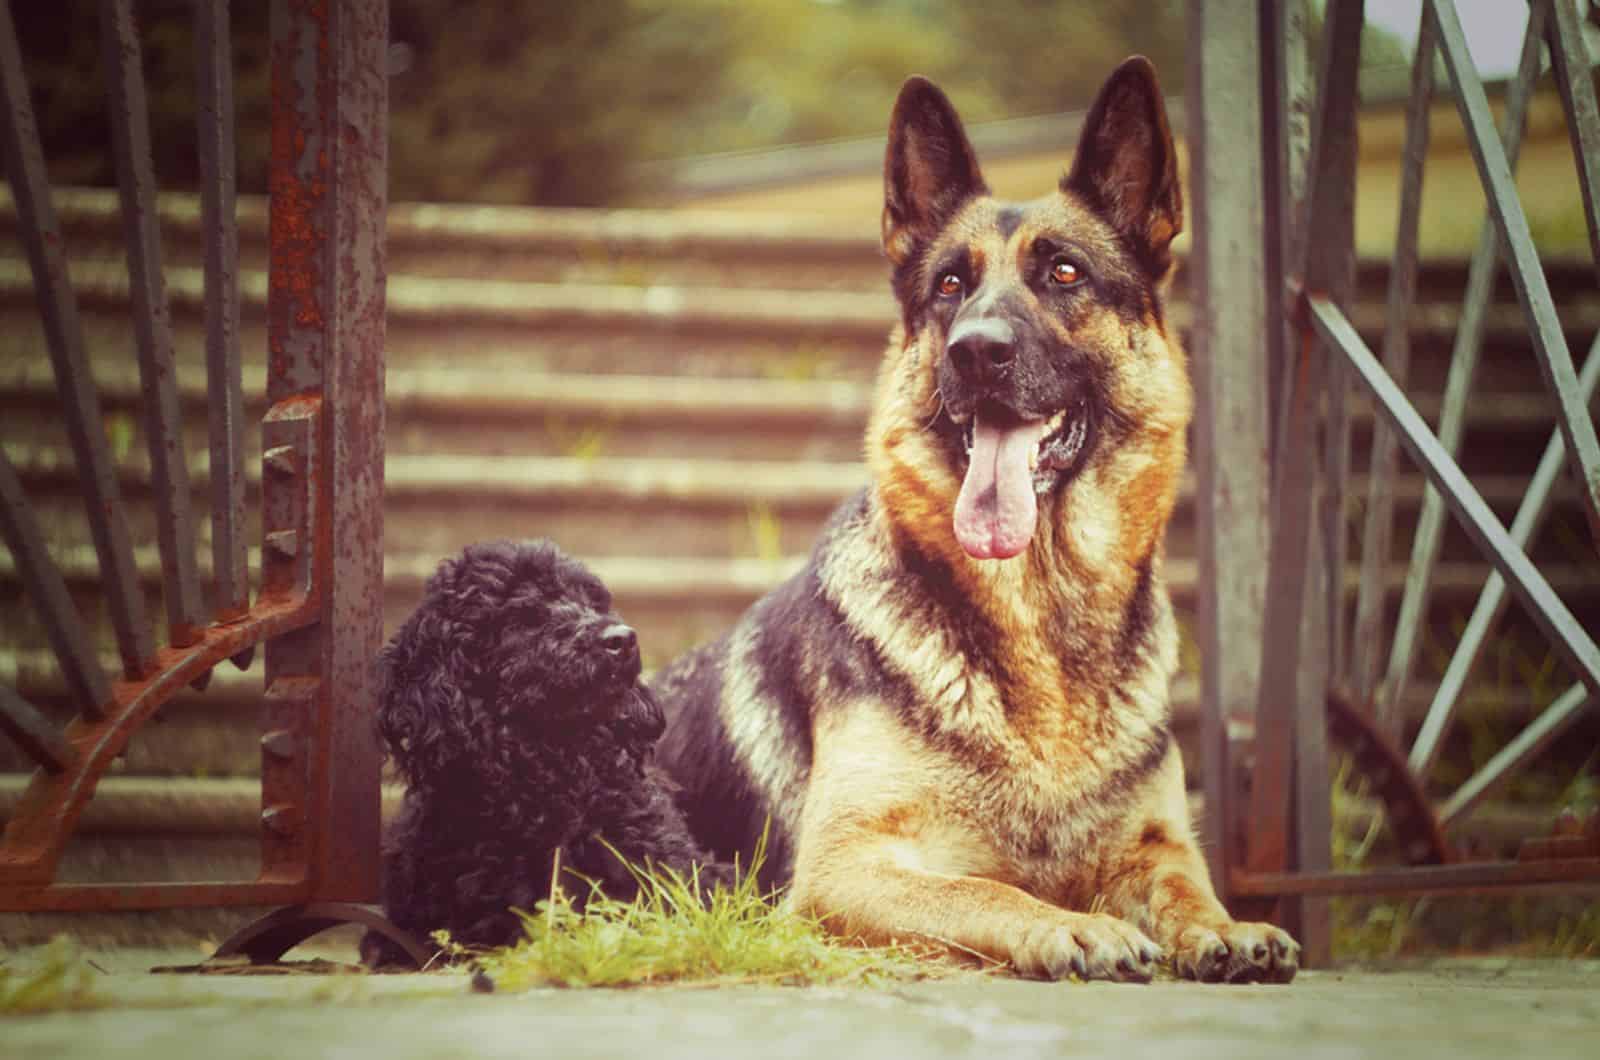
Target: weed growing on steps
(673, 932)
(765, 531)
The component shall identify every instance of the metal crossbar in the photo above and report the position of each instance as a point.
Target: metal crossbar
(152, 329)
(1464, 354)
(318, 615)
(224, 371)
(80, 402)
(1491, 602)
(1397, 355)
(1524, 579)
(1583, 448)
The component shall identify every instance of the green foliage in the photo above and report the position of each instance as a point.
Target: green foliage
(506, 101)
(1039, 56)
(56, 979)
(675, 933)
(60, 44)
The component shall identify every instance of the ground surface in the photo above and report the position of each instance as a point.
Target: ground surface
(1461, 1010)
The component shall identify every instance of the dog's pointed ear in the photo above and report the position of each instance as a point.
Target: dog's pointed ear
(1126, 166)
(929, 168)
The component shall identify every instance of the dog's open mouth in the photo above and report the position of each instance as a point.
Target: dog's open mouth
(1012, 462)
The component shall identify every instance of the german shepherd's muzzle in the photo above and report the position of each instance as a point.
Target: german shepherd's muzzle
(1024, 411)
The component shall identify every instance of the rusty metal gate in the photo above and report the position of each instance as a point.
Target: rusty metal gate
(1277, 366)
(316, 605)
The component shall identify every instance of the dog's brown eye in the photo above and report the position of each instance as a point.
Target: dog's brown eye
(950, 285)
(1065, 273)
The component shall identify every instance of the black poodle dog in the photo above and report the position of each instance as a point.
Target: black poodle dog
(511, 706)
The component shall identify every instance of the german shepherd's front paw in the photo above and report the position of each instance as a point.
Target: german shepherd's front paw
(1087, 945)
(1237, 952)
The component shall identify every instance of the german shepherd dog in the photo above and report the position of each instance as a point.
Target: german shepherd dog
(955, 719)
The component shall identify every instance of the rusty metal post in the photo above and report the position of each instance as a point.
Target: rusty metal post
(1231, 428)
(1291, 733)
(325, 369)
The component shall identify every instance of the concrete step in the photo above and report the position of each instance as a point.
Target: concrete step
(679, 601)
(469, 410)
(512, 326)
(695, 507)
(725, 248)
(630, 247)
(215, 735)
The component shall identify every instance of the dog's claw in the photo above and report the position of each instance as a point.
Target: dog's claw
(1237, 953)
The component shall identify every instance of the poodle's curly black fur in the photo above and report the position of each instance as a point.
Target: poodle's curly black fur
(512, 708)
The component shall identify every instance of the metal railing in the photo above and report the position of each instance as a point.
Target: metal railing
(316, 609)
(1279, 649)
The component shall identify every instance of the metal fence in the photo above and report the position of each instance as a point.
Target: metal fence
(316, 606)
(1284, 645)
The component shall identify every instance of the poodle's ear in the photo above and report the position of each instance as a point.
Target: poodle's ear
(422, 701)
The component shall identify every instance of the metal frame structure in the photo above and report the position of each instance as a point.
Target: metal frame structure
(1280, 652)
(317, 610)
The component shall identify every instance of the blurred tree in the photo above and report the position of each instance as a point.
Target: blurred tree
(513, 101)
(534, 101)
(1041, 55)
(60, 44)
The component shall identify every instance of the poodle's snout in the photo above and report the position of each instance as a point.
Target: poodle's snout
(621, 643)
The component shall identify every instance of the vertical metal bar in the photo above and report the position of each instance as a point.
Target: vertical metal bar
(1519, 752)
(1294, 672)
(1231, 427)
(32, 731)
(1382, 465)
(1330, 266)
(224, 379)
(1293, 382)
(80, 402)
(1570, 57)
(1546, 609)
(1268, 837)
(1530, 514)
(1287, 105)
(1335, 243)
(326, 329)
(130, 133)
(1555, 361)
(1476, 300)
(73, 646)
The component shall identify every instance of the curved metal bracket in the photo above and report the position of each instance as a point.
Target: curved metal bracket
(1411, 816)
(267, 939)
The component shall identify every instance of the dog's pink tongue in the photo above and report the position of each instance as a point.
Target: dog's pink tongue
(996, 511)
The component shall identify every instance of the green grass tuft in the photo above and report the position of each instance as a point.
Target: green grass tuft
(59, 980)
(674, 932)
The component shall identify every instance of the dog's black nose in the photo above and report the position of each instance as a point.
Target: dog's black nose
(981, 349)
(619, 640)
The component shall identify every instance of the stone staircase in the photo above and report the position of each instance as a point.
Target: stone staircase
(675, 397)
